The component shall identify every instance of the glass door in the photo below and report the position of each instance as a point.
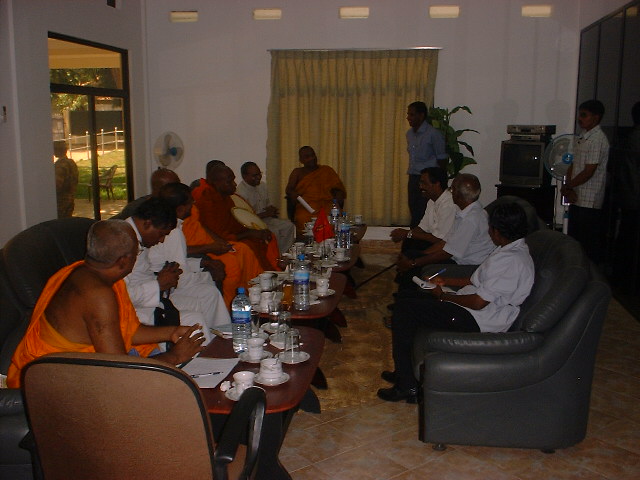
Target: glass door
(90, 119)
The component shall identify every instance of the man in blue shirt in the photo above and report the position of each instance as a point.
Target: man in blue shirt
(426, 148)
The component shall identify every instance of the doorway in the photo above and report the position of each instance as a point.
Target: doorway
(90, 127)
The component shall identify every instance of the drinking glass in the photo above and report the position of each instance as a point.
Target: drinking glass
(287, 295)
(291, 344)
(255, 322)
(284, 323)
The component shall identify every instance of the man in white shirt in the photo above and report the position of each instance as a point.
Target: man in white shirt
(489, 300)
(585, 184)
(438, 216)
(467, 242)
(167, 270)
(255, 193)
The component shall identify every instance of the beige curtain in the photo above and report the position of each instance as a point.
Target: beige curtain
(350, 106)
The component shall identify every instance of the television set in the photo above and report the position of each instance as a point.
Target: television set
(521, 164)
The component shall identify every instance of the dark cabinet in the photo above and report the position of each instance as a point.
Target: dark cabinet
(609, 70)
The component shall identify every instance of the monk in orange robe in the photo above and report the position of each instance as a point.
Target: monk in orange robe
(85, 307)
(213, 199)
(240, 263)
(317, 184)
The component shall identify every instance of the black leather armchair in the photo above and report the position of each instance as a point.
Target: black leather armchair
(27, 261)
(529, 387)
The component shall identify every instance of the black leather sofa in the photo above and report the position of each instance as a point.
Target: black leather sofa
(27, 261)
(529, 387)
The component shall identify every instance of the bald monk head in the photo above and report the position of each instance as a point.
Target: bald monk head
(222, 179)
(161, 177)
(108, 241)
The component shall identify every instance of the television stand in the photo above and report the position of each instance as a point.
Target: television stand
(541, 198)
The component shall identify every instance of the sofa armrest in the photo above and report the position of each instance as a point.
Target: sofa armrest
(11, 401)
(483, 343)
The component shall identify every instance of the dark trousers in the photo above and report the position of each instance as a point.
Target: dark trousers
(412, 313)
(585, 226)
(417, 203)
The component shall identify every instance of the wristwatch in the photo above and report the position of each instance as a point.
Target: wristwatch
(410, 234)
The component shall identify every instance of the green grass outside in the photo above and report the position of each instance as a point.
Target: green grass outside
(104, 163)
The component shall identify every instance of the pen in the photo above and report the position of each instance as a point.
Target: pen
(198, 375)
(437, 273)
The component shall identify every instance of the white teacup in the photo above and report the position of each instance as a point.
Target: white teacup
(266, 281)
(254, 294)
(322, 286)
(271, 368)
(358, 219)
(255, 347)
(341, 253)
(243, 380)
(265, 301)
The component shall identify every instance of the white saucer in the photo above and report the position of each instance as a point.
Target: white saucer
(269, 327)
(286, 357)
(275, 341)
(244, 356)
(271, 383)
(232, 394)
(328, 294)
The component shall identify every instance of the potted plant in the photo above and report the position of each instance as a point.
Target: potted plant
(440, 118)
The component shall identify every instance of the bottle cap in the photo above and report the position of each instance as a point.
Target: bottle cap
(301, 256)
(240, 290)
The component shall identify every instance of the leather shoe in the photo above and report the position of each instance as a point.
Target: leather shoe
(394, 394)
(388, 376)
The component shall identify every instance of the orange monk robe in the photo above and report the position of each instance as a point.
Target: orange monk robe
(41, 338)
(316, 188)
(215, 214)
(239, 266)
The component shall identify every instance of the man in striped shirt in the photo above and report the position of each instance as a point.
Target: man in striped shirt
(585, 184)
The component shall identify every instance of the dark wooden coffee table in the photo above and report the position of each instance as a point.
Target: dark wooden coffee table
(282, 400)
(345, 268)
(325, 315)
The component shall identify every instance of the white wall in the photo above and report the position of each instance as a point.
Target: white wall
(209, 81)
(28, 186)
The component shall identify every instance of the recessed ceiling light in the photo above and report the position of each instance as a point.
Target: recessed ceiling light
(267, 13)
(183, 16)
(537, 11)
(444, 11)
(354, 12)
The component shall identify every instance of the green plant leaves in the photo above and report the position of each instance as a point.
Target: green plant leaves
(439, 118)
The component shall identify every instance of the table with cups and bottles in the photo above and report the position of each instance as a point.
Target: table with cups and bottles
(283, 399)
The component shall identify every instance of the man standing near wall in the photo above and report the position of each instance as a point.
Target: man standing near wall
(585, 183)
(426, 148)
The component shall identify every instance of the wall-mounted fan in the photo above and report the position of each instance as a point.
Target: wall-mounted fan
(168, 150)
(558, 157)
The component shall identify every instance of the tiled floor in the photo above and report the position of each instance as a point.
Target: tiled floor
(360, 437)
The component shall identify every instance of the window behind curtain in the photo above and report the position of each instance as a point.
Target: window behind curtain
(350, 106)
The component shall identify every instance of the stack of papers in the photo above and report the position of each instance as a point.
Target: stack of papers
(209, 372)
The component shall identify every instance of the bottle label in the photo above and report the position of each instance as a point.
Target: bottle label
(301, 276)
(240, 316)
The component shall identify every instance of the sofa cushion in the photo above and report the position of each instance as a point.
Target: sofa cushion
(562, 271)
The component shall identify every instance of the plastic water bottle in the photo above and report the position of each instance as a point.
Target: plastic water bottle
(240, 321)
(335, 214)
(343, 236)
(301, 274)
